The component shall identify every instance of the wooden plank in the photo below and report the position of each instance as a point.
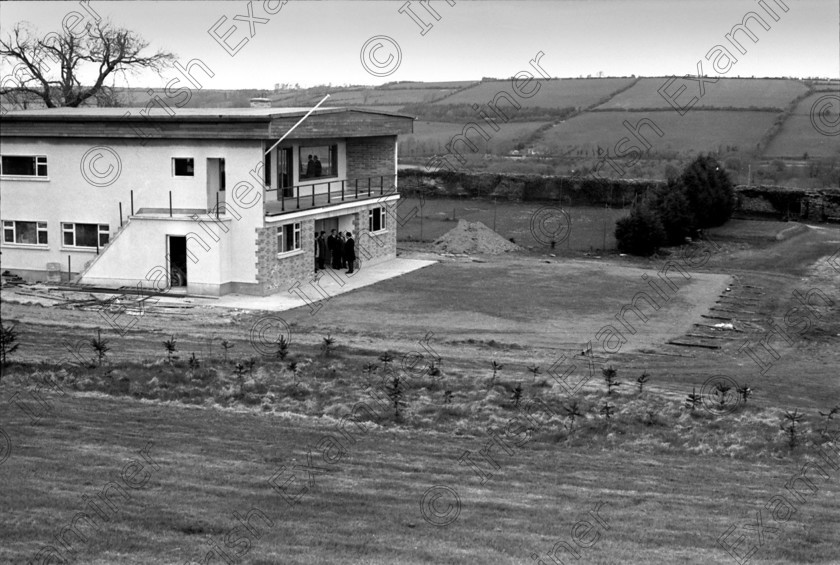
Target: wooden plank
(685, 344)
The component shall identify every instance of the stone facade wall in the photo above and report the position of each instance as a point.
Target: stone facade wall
(375, 248)
(279, 275)
(371, 157)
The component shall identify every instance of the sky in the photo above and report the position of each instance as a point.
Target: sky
(371, 42)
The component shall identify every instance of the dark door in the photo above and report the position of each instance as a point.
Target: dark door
(285, 180)
(177, 260)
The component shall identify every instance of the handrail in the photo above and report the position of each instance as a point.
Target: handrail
(294, 192)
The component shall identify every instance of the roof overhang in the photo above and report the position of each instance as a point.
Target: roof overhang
(203, 123)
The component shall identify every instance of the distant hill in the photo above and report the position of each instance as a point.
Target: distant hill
(760, 128)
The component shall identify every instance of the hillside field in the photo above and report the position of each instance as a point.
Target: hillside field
(725, 93)
(695, 132)
(798, 135)
(552, 93)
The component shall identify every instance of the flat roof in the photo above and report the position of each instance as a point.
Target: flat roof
(180, 114)
(158, 122)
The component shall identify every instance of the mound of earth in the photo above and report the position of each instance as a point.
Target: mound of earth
(473, 237)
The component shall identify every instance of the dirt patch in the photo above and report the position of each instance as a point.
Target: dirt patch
(472, 238)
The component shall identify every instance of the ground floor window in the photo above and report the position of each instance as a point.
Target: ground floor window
(85, 235)
(23, 166)
(26, 233)
(376, 219)
(288, 237)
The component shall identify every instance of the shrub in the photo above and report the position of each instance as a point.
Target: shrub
(674, 210)
(640, 233)
(709, 190)
(8, 337)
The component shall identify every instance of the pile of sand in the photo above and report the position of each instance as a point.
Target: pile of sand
(473, 237)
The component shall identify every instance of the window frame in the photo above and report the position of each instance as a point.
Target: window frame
(39, 161)
(175, 168)
(332, 153)
(383, 226)
(41, 228)
(101, 230)
(296, 239)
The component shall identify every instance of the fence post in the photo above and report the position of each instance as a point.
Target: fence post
(342, 191)
(132, 202)
(68, 269)
(357, 189)
(121, 224)
(329, 188)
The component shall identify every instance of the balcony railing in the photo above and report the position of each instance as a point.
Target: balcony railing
(325, 193)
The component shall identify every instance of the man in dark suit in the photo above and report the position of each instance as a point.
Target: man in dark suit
(339, 244)
(350, 252)
(322, 250)
(332, 248)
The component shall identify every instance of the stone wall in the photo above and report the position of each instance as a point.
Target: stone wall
(788, 203)
(279, 275)
(370, 157)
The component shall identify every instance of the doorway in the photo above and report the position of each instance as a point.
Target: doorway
(215, 183)
(285, 169)
(177, 255)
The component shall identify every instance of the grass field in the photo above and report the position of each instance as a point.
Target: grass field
(430, 138)
(512, 219)
(554, 93)
(693, 133)
(669, 485)
(365, 97)
(726, 93)
(798, 135)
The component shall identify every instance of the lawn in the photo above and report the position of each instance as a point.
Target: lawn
(725, 93)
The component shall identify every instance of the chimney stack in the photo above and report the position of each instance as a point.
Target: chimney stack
(260, 103)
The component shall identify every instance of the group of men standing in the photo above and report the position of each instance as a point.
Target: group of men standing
(339, 249)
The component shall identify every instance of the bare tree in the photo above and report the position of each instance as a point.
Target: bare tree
(49, 68)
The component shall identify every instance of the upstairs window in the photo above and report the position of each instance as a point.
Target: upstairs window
(25, 233)
(23, 166)
(376, 219)
(317, 162)
(85, 235)
(288, 237)
(183, 166)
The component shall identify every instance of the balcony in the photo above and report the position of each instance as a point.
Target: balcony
(328, 193)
